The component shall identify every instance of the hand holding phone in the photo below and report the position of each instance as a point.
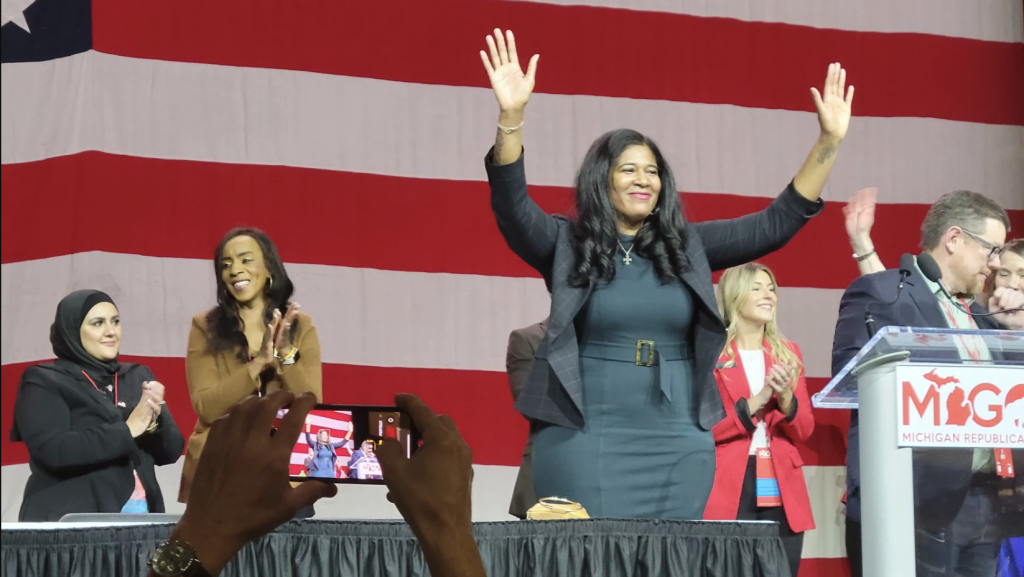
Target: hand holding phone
(241, 488)
(339, 443)
(432, 489)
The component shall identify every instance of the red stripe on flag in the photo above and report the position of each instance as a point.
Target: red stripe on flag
(827, 444)
(180, 209)
(479, 401)
(682, 57)
(824, 567)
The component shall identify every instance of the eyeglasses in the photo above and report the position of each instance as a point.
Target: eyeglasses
(994, 250)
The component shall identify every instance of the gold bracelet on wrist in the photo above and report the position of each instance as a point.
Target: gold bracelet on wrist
(510, 130)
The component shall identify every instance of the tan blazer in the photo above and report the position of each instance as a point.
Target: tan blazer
(522, 344)
(216, 381)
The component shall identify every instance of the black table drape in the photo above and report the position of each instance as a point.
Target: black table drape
(596, 548)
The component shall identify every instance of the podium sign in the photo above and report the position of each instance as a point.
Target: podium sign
(943, 405)
(919, 373)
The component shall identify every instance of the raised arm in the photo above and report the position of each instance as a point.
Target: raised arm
(834, 118)
(529, 231)
(735, 241)
(860, 217)
(512, 88)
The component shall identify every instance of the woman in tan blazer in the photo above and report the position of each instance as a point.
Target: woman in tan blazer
(245, 345)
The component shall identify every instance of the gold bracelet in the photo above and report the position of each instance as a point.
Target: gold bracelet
(278, 356)
(508, 130)
(152, 427)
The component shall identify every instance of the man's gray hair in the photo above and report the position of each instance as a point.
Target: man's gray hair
(963, 208)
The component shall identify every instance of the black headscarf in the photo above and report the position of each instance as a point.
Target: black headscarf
(66, 333)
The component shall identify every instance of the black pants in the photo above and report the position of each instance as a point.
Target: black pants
(749, 511)
(854, 549)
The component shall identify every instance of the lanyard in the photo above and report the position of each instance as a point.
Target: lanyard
(970, 343)
(116, 399)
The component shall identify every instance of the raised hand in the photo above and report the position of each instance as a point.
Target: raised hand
(833, 108)
(860, 217)
(511, 86)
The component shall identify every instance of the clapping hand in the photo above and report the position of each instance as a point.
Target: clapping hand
(155, 390)
(833, 108)
(779, 379)
(511, 86)
(283, 334)
(142, 415)
(1005, 298)
(278, 337)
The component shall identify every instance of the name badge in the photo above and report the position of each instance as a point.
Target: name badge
(1004, 463)
(768, 494)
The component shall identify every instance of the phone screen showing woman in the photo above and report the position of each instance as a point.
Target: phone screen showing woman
(338, 443)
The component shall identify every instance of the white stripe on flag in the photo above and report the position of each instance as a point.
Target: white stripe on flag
(825, 486)
(363, 316)
(318, 420)
(96, 101)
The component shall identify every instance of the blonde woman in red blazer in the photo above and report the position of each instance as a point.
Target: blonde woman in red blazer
(761, 378)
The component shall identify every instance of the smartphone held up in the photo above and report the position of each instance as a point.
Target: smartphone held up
(339, 443)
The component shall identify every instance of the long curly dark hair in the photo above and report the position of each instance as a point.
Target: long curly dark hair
(662, 238)
(224, 323)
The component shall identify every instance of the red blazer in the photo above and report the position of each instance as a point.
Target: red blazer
(732, 445)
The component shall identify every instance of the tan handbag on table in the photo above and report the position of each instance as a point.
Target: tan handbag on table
(556, 508)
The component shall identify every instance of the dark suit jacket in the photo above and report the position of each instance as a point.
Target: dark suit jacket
(81, 452)
(522, 343)
(554, 393)
(941, 476)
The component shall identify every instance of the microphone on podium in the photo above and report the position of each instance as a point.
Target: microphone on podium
(906, 265)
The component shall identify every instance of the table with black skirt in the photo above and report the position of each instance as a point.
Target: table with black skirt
(619, 548)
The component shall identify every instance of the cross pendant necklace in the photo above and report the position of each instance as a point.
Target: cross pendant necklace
(626, 259)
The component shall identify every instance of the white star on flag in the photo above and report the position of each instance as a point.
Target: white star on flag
(14, 11)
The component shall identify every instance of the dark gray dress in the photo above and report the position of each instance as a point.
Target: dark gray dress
(641, 453)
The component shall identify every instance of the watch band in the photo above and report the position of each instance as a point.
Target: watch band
(177, 559)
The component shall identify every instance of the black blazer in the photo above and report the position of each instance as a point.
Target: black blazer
(554, 393)
(81, 453)
(941, 476)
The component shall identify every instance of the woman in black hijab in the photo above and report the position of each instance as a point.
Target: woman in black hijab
(95, 428)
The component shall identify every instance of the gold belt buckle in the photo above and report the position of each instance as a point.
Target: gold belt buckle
(639, 349)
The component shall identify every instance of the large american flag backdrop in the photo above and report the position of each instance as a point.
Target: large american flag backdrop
(135, 133)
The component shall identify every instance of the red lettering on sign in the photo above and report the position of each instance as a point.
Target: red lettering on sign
(996, 409)
(930, 398)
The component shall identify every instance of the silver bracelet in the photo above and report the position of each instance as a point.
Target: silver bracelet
(862, 257)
